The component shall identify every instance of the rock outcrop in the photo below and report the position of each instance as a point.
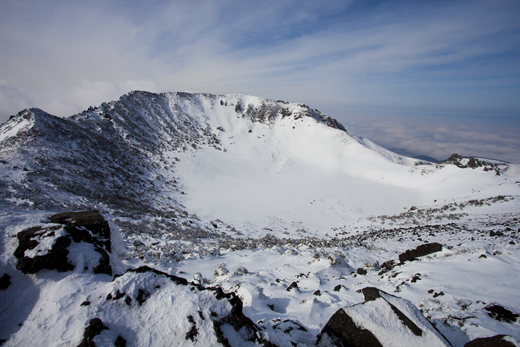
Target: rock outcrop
(63, 244)
(382, 320)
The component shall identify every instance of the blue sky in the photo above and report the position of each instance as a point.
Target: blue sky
(435, 77)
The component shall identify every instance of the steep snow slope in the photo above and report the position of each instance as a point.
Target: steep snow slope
(299, 173)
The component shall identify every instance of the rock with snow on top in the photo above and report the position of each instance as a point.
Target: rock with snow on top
(381, 320)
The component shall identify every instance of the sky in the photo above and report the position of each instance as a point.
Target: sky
(433, 77)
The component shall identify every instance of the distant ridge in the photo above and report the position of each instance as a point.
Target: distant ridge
(410, 154)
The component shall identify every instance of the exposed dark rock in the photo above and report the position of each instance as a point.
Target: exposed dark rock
(337, 288)
(387, 266)
(143, 269)
(54, 259)
(342, 331)
(293, 285)
(500, 313)
(142, 296)
(420, 251)
(88, 226)
(493, 341)
(5, 282)
(317, 293)
(193, 332)
(120, 342)
(85, 303)
(94, 328)
(406, 321)
(361, 271)
(78, 224)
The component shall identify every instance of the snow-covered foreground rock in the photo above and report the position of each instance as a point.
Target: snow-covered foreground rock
(230, 219)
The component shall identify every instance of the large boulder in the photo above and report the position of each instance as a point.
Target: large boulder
(492, 341)
(382, 320)
(72, 239)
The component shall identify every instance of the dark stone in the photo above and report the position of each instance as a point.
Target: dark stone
(344, 332)
(143, 269)
(361, 271)
(387, 266)
(406, 321)
(55, 259)
(416, 277)
(142, 296)
(94, 328)
(337, 288)
(5, 282)
(371, 293)
(500, 313)
(119, 295)
(493, 341)
(192, 334)
(420, 251)
(438, 294)
(120, 342)
(88, 226)
(104, 263)
(317, 293)
(293, 285)
(91, 220)
(85, 303)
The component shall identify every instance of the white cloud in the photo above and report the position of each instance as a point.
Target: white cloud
(439, 138)
(337, 56)
(65, 101)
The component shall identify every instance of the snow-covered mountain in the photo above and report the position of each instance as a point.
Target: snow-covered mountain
(272, 189)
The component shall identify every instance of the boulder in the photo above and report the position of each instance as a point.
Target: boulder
(381, 320)
(493, 341)
(49, 247)
(5, 282)
(420, 251)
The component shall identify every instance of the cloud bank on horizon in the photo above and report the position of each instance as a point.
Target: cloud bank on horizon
(390, 69)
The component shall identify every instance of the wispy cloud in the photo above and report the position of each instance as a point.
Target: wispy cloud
(342, 57)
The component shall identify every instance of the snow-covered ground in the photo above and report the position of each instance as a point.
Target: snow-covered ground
(272, 201)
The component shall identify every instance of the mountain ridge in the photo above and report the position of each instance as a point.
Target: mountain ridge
(278, 215)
